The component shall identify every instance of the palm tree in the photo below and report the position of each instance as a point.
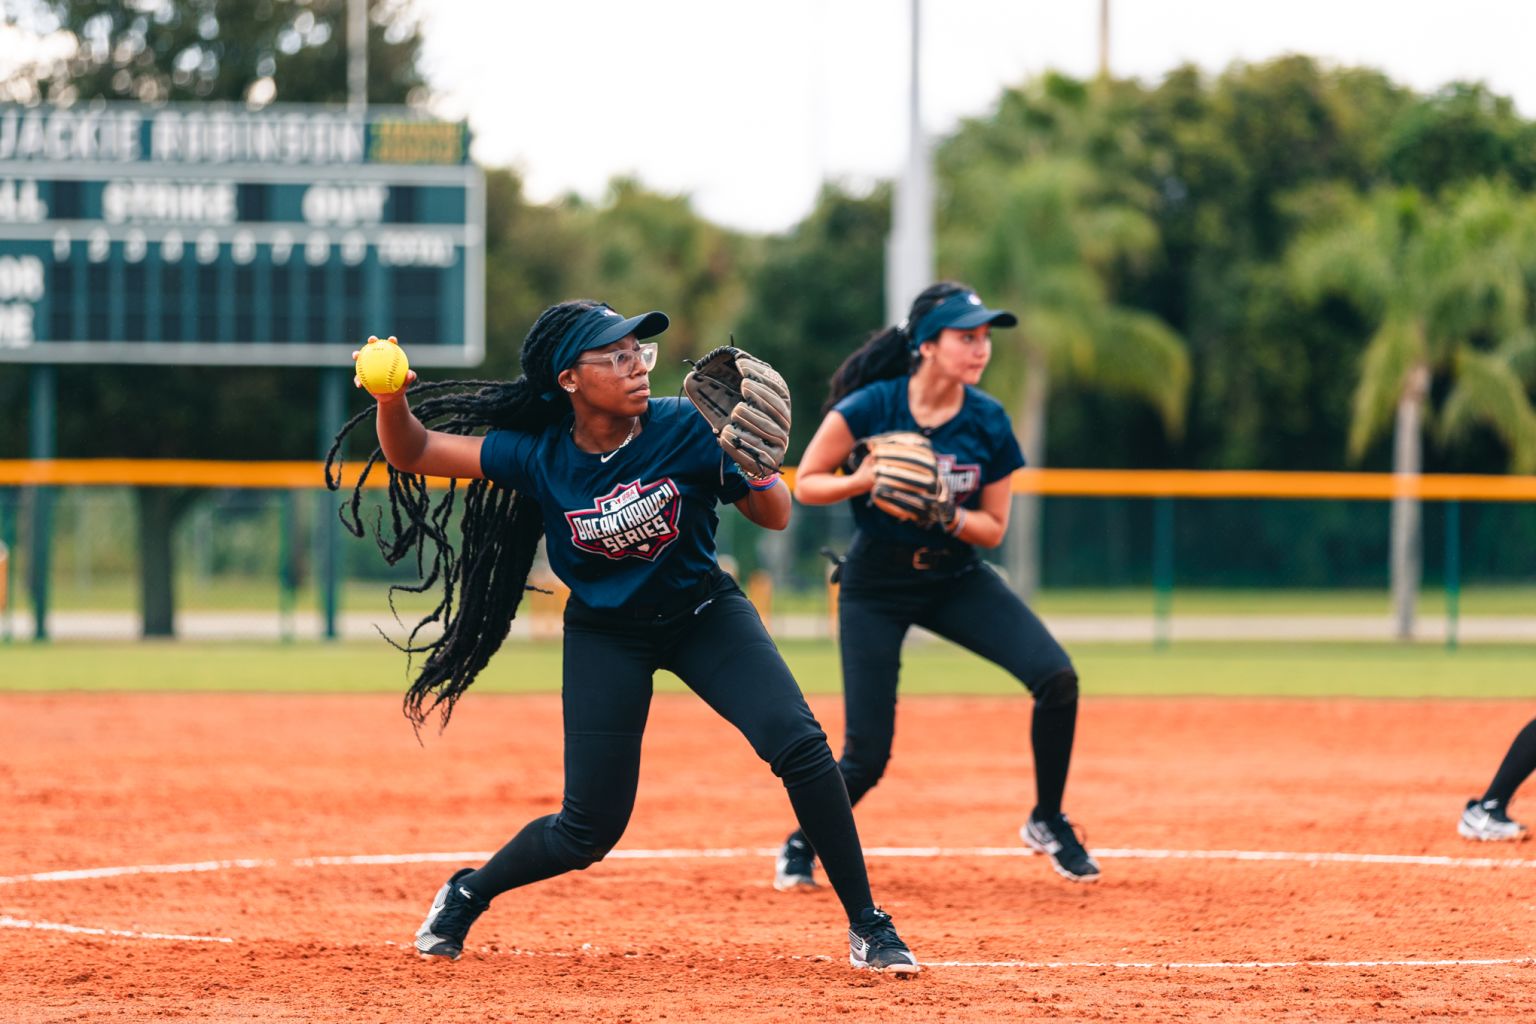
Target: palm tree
(1444, 286)
(1051, 235)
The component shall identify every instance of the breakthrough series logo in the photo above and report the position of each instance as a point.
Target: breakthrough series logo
(633, 520)
(964, 478)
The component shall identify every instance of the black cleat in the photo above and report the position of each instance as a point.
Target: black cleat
(874, 945)
(455, 907)
(795, 867)
(1054, 837)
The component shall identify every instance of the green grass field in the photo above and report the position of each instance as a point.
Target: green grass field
(237, 593)
(1249, 669)
(1480, 600)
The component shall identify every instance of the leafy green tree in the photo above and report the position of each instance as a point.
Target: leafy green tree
(1224, 156)
(816, 295)
(1046, 240)
(155, 51)
(1460, 133)
(533, 255)
(648, 250)
(637, 249)
(1444, 289)
(1213, 160)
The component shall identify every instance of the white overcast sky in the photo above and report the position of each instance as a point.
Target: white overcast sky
(748, 105)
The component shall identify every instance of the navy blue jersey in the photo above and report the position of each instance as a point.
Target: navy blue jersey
(635, 525)
(975, 447)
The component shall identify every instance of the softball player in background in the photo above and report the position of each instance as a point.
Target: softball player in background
(623, 487)
(921, 376)
(1487, 817)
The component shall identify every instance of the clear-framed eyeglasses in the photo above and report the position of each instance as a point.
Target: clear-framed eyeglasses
(625, 360)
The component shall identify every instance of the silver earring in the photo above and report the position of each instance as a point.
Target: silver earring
(569, 388)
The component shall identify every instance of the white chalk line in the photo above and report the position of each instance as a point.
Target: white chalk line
(7, 921)
(728, 853)
(741, 852)
(1220, 965)
(1030, 965)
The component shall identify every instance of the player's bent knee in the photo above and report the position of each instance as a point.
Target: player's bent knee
(578, 850)
(580, 856)
(580, 860)
(804, 760)
(864, 764)
(1058, 690)
(863, 776)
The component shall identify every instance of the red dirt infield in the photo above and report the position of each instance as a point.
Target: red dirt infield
(271, 783)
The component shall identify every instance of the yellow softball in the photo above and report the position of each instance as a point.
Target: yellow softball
(382, 366)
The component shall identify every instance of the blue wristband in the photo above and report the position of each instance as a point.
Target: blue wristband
(765, 484)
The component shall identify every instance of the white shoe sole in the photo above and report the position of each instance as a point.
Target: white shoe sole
(899, 970)
(1468, 832)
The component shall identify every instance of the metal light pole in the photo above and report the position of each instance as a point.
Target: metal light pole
(357, 55)
(1104, 39)
(909, 251)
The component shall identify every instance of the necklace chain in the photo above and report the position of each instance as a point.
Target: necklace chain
(633, 425)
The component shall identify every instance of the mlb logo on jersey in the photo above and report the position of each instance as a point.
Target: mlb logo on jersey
(964, 478)
(616, 501)
(634, 520)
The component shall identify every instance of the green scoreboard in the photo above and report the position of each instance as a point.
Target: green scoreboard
(205, 234)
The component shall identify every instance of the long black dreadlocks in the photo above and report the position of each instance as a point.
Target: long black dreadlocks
(482, 582)
(889, 353)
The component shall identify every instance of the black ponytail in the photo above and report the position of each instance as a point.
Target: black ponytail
(481, 583)
(889, 353)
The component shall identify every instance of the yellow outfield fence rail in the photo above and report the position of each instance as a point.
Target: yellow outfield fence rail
(1121, 483)
(174, 473)
(1242, 483)
(275, 513)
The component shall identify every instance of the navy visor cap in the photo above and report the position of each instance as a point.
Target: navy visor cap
(603, 326)
(961, 311)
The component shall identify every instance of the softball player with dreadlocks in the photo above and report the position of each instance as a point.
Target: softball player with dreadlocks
(925, 459)
(623, 489)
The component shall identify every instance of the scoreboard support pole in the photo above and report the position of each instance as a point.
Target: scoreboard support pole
(333, 385)
(41, 445)
(286, 585)
(7, 563)
(1452, 572)
(1162, 572)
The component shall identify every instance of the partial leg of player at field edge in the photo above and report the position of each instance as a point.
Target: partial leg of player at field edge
(1487, 817)
(623, 489)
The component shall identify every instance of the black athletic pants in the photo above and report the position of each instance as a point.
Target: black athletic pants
(716, 643)
(1516, 767)
(883, 593)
